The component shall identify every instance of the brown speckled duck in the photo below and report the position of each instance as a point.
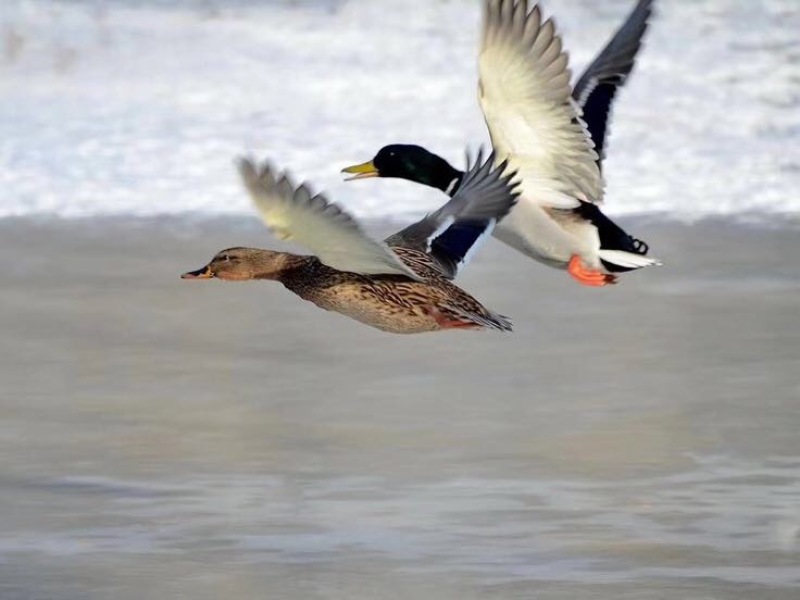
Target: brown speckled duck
(401, 285)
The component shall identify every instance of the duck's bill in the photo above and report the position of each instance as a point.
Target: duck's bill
(204, 273)
(361, 171)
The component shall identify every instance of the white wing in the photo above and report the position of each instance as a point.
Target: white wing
(525, 96)
(292, 213)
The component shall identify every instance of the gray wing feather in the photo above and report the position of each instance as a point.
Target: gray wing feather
(294, 213)
(483, 193)
(598, 86)
(616, 60)
(525, 93)
(450, 234)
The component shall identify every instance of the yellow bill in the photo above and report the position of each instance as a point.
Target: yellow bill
(361, 171)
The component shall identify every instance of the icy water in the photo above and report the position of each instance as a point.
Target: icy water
(164, 439)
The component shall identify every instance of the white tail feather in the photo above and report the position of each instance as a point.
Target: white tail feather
(628, 260)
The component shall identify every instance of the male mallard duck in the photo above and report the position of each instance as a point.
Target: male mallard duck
(534, 123)
(401, 286)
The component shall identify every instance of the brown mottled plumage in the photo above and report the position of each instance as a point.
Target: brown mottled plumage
(393, 303)
(402, 285)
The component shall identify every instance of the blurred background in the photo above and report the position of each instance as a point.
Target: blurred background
(167, 439)
(138, 107)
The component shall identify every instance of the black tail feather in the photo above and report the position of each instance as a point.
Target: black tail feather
(612, 236)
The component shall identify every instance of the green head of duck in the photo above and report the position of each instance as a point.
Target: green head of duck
(411, 162)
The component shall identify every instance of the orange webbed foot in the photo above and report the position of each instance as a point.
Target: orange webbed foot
(590, 277)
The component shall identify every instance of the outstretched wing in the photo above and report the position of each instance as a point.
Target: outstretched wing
(293, 213)
(452, 234)
(525, 95)
(598, 85)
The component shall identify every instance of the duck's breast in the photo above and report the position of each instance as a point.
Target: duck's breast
(533, 230)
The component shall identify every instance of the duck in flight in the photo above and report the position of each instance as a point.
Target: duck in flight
(534, 122)
(402, 285)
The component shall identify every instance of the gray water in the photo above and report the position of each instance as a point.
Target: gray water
(163, 439)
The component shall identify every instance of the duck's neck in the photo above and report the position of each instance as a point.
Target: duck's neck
(277, 266)
(444, 177)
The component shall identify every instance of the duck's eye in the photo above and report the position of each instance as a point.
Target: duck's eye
(225, 257)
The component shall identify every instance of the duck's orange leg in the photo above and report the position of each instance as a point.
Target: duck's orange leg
(590, 277)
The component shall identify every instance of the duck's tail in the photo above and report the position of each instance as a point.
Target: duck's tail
(639, 246)
(498, 322)
(620, 260)
(484, 319)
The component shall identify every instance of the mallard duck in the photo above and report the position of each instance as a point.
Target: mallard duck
(401, 285)
(534, 123)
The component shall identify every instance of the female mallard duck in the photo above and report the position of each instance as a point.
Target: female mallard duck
(534, 124)
(401, 286)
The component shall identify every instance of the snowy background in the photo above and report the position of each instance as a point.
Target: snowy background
(139, 108)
